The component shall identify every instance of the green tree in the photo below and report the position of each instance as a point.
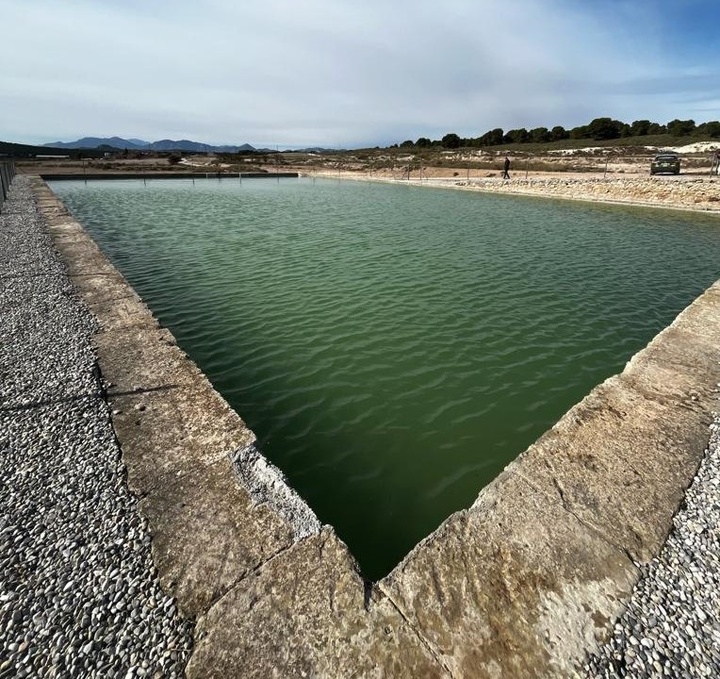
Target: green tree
(423, 142)
(640, 128)
(681, 128)
(710, 129)
(540, 134)
(558, 133)
(492, 137)
(451, 141)
(408, 143)
(519, 136)
(605, 128)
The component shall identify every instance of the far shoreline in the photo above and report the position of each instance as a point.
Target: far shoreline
(699, 194)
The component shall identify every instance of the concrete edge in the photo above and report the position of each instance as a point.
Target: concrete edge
(160, 401)
(556, 490)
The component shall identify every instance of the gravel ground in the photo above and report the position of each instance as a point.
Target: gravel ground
(79, 595)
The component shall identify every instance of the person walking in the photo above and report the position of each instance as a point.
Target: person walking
(506, 168)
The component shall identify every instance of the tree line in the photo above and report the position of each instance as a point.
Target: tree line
(600, 129)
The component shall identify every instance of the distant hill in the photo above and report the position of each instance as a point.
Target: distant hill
(319, 149)
(140, 145)
(13, 150)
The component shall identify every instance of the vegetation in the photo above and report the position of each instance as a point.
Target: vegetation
(598, 130)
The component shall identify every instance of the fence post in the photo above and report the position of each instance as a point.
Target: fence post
(7, 172)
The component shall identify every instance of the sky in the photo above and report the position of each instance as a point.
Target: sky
(349, 73)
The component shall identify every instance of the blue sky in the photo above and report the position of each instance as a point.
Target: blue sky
(345, 73)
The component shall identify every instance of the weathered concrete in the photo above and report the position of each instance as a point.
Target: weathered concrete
(514, 587)
(307, 613)
(521, 584)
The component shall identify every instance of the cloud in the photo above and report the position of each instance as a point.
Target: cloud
(334, 72)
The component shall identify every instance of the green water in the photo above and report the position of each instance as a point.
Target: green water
(394, 347)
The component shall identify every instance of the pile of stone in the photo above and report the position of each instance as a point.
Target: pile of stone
(690, 194)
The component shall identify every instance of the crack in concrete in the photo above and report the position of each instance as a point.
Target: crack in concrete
(423, 641)
(253, 570)
(595, 530)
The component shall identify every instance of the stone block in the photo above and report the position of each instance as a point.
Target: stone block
(208, 534)
(516, 586)
(677, 367)
(115, 304)
(308, 613)
(142, 358)
(620, 462)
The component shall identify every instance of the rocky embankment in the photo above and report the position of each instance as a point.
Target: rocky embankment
(697, 193)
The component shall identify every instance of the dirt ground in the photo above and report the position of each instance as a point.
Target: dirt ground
(589, 163)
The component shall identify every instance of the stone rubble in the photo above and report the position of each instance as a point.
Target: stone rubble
(79, 593)
(697, 193)
(683, 192)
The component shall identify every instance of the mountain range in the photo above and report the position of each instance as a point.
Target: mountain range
(141, 145)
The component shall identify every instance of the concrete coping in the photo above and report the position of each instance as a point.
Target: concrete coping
(523, 583)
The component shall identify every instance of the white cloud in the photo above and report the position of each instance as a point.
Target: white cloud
(334, 72)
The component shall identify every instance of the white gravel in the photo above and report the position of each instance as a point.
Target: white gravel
(79, 594)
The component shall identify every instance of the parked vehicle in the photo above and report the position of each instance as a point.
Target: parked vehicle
(666, 162)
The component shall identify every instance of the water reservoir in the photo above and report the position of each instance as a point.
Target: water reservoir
(393, 347)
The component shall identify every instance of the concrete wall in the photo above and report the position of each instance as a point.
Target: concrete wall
(520, 584)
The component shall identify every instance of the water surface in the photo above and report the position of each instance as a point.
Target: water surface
(394, 347)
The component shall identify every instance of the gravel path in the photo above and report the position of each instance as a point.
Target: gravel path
(79, 595)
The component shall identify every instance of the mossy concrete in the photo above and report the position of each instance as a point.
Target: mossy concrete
(522, 583)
